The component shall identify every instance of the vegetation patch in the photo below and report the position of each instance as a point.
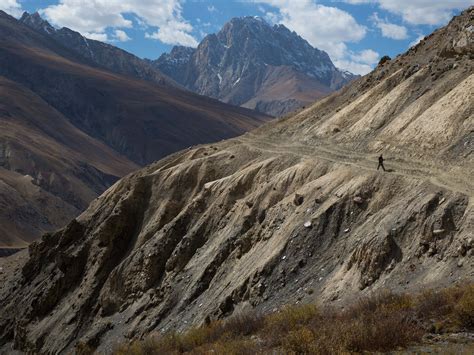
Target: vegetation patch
(383, 322)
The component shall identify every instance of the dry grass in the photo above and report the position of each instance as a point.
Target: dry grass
(383, 322)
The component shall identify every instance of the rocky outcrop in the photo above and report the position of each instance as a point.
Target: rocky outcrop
(294, 212)
(242, 65)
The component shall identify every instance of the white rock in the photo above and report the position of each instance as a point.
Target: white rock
(308, 224)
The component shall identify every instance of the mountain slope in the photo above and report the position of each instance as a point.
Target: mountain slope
(49, 170)
(99, 53)
(90, 127)
(247, 59)
(296, 211)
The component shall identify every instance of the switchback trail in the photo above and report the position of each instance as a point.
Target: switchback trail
(446, 179)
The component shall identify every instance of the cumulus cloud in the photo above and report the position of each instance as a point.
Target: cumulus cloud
(211, 8)
(420, 12)
(102, 37)
(95, 17)
(11, 7)
(174, 33)
(325, 27)
(121, 36)
(367, 56)
(358, 62)
(390, 30)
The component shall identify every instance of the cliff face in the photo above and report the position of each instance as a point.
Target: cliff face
(294, 212)
(252, 64)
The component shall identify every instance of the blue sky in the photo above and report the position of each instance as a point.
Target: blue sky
(355, 33)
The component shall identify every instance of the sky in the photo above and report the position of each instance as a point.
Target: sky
(355, 33)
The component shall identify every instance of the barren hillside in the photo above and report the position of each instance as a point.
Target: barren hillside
(69, 129)
(294, 212)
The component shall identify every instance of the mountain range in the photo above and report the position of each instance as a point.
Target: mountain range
(255, 65)
(76, 115)
(293, 212)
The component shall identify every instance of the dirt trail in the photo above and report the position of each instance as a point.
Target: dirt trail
(396, 165)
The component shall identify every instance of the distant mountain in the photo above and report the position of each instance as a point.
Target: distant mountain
(69, 127)
(99, 53)
(255, 65)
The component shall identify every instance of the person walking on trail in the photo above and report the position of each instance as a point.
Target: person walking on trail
(381, 163)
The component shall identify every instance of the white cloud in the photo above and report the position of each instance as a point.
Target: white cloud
(358, 62)
(102, 37)
(390, 30)
(95, 17)
(367, 56)
(327, 28)
(357, 2)
(211, 8)
(174, 33)
(11, 7)
(421, 12)
(121, 36)
(429, 12)
(353, 67)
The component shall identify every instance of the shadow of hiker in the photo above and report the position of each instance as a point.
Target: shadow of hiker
(389, 170)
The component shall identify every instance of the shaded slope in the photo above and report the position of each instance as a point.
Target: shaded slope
(49, 170)
(142, 121)
(101, 54)
(260, 220)
(68, 125)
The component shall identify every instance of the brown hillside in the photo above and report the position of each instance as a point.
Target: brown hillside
(70, 129)
(294, 212)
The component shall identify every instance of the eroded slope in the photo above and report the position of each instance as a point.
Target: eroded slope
(294, 212)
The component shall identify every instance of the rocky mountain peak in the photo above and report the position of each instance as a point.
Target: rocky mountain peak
(37, 22)
(248, 59)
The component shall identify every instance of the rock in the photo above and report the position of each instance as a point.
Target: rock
(346, 230)
(298, 199)
(359, 200)
(460, 262)
(432, 251)
(470, 242)
(307, 224)
(438, 231)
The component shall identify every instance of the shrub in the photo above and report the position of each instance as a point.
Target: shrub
(291, 317)
(244, 324)
(384, 59)
(464, 309)
(379, 323)
(299, 341)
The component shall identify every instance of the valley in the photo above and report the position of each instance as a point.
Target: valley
(290, 217)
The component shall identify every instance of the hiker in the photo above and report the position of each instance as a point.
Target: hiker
(381, 163)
